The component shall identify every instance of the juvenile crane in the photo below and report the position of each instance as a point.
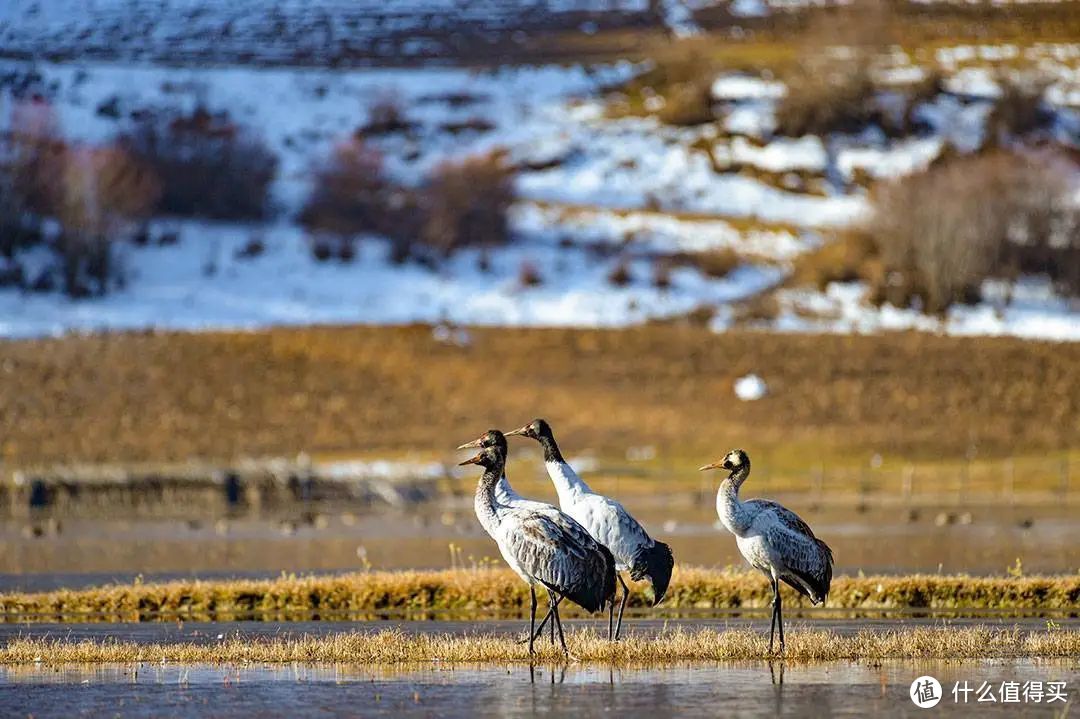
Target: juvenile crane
(773, 539)
(542, 550)
(607, 521)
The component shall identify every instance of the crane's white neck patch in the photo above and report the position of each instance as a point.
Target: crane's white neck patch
(567, 483)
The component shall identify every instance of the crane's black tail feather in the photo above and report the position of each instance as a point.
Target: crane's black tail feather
(814, 586)
(655, 564)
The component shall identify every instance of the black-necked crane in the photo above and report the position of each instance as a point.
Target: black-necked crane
(607, 521)
(773, 539)
(542, 549)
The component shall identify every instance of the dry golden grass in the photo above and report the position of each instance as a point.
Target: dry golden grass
(394, 647)
(477, 593)
(160, 397)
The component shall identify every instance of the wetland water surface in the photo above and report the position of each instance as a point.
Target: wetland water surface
(42, 554)
(695, 689)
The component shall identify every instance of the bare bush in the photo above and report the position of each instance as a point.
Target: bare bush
(31, 162)
(689, 104)
(386, 115)
(34, 155)
(620, 275)
(849, 258)
(832, 91)
(1020, 109)
(351, 193)
(467, 202)
(661, 273)
(207, 164)
(826, 96)
(529, 275)
(942, 232)
(103, 193)
(716, 263)
(681, 79)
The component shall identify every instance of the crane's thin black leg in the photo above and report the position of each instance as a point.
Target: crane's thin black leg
(772, 625)
(539, 630)
(532, 618)
(558, 623)
(780, 617)
(622, 605)
(552, 625)
(611, 618)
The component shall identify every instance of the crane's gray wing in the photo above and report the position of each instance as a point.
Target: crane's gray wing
(802, 560)
(560, 554)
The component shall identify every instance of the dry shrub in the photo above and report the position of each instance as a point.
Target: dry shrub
(716, 263)
(529, 275)
(620, 275)
(31, 164)
(922, 91)
(1043, 228)
(386, 115)
(1020, 110)
(850, 257)
(945, 230)
(467, 203)
(832, 91)
(102, 193)
(34, 156)
(208, 165)
(830, 95)
(683, 77)
(661, 274)
(352, 195)
(689, 103)
(95, 194)
(760, 308)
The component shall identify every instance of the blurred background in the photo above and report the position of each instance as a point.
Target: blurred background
(265, 263)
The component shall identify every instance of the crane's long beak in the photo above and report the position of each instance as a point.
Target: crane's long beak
(472, 460)
(719, 464)
(475, 443)
(519, 430)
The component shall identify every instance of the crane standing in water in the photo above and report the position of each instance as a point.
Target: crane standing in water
(507, 497)
(541, 549)
(607, 521)
(773, 539)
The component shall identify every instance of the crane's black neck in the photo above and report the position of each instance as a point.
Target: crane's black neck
(499, 441)
(737, 477)
(551, 447)
(485, 491)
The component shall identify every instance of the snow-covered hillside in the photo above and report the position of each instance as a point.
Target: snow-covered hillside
(609, 205)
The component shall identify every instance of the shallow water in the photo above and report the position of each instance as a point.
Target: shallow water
(76, 552)
(695, 689)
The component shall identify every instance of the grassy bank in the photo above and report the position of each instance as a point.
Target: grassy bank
(160, 397)
(478, 593)
(391, 647)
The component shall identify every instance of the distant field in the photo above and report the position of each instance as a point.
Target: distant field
(159, 397)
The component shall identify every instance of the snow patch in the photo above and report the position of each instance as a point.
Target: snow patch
(750, 388)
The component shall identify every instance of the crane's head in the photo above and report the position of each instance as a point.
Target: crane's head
(733, 461)
(488, 458)
(533, 430)
(491, 438)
